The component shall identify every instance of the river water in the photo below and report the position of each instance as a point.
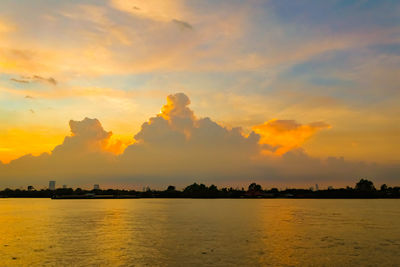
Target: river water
(199, 232)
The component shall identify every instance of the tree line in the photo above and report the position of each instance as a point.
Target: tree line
(363, 189)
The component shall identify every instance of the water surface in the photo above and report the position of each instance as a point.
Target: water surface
(199, 232)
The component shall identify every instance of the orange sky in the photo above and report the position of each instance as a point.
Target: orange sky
(325, 85)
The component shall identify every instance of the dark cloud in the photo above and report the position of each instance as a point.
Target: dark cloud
(29, 97)
(19, 80)
(35, 78)
(183, 25)
(50, 80)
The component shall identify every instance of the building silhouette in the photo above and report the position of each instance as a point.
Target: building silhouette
(96, 187)
(52, 185)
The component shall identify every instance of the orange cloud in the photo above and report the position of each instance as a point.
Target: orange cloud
(88, 136)
(177, 107)
(178, 114)
(285, 135)
(117, 145)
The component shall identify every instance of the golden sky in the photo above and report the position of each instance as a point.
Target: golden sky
(316, 78)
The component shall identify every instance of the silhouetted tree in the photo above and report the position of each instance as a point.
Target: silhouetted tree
(274, 190)
(201, 190)
(384, 187)
(254, 187)
(171, 188)
(212, 188)
(365, 186)
(79, 191)
(254, 190)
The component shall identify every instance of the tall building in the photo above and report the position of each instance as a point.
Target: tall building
(52, 185)
(96, 187)
(64, 186)
(316, 187)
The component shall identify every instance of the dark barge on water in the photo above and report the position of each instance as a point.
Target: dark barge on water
(93, 196)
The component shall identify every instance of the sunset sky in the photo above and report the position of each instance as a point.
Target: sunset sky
(282, 92)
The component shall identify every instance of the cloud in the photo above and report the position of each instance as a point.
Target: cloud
(49, 80)
(35, 78)
(159, 10)
(176, 142)
(133, 36)
(286, 135)
(19, 80)
(183, 25)
(178, 114)
(175, 146)
(88, 152)
(87, 137)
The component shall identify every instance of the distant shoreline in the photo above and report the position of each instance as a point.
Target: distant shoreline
(364, 189)
(244, 198)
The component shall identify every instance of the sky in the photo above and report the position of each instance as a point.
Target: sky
(129, 93)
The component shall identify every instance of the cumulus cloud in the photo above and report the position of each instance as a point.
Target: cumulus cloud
(87, 137)
(86, 153)
(177, 113)
(175, 141)
(177, 147)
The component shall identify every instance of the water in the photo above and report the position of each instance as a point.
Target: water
(202, 232)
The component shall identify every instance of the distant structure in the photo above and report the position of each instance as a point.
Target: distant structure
(330, 187)
(52, 185)
(316, 187)
(30, 188)
(96, 187)
(64, 186)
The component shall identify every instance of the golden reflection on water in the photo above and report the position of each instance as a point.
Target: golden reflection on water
(189, 232)
(278, 225)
